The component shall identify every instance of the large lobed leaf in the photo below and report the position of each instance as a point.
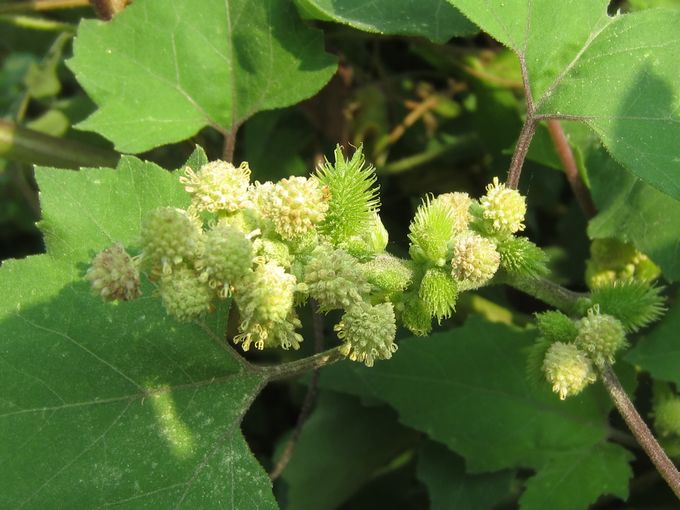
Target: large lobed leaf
(618, 74)
(467, 389)
(160, 71)
(107, 404)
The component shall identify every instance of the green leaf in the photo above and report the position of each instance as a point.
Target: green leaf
(620, 74)
(467, 389)
(450, 487)
(577, 479)
(635, 212)
(659, 352)
(359, 440)
(434, 19)
(107, 404)
(161, 71)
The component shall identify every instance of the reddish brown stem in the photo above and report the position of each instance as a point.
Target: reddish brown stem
(520, 153)
(229, 144)
(581, 192)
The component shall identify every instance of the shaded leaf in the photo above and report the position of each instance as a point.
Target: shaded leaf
(359, 440)
(576, 479)
(450, 487)
(194, 64)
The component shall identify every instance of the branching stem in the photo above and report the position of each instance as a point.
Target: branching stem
(640, 429)
(299, 367)
(521, 150)
(549, 292)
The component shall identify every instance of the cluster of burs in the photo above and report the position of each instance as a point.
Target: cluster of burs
(272, 247)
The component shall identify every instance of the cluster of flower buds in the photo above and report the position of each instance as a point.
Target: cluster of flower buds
(271, 247)
(569, 351)
(612, 261)
(458, 244)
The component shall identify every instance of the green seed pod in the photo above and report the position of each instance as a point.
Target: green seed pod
(169, 237)
(415, 315)
(556, 327)
(294, 205)
(439, 293)
(226, 257)
(475, 261)
(503, 209)
(218, 186)
(522, 257)
(567, 369)
(114, 275)
(431, 232)
(334, 278)
(368, 332)
(353, 197)
(600, 335)
(388, 273)
(184, 296)
(667, 417)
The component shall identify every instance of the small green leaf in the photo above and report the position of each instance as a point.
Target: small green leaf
(359, 440)
(115, 404)
(618, 74)
(443, 472)
(659, 352)
(434, 19)
(576, 479)
(160, 71)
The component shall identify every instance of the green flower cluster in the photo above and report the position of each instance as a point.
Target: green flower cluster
(271, 247)
(568, 351)
(458, 244)
(612, 261)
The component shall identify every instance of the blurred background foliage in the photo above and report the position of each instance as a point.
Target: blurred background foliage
(431, 118)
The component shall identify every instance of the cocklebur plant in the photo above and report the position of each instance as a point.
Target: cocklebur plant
(273, 246)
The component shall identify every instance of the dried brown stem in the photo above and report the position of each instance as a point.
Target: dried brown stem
(640, 430)
(581, 192)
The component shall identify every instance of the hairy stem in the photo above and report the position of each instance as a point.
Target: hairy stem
(545, 290)
(301, 366)
(566, 156)
(229, 144)
(520, 154)
(640, 430)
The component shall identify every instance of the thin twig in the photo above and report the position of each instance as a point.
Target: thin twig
(581, 192)
(35, 23)
(640, 430)
(307, 404)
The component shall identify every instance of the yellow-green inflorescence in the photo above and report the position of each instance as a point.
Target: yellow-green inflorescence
(567, 369)
(271, 247)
